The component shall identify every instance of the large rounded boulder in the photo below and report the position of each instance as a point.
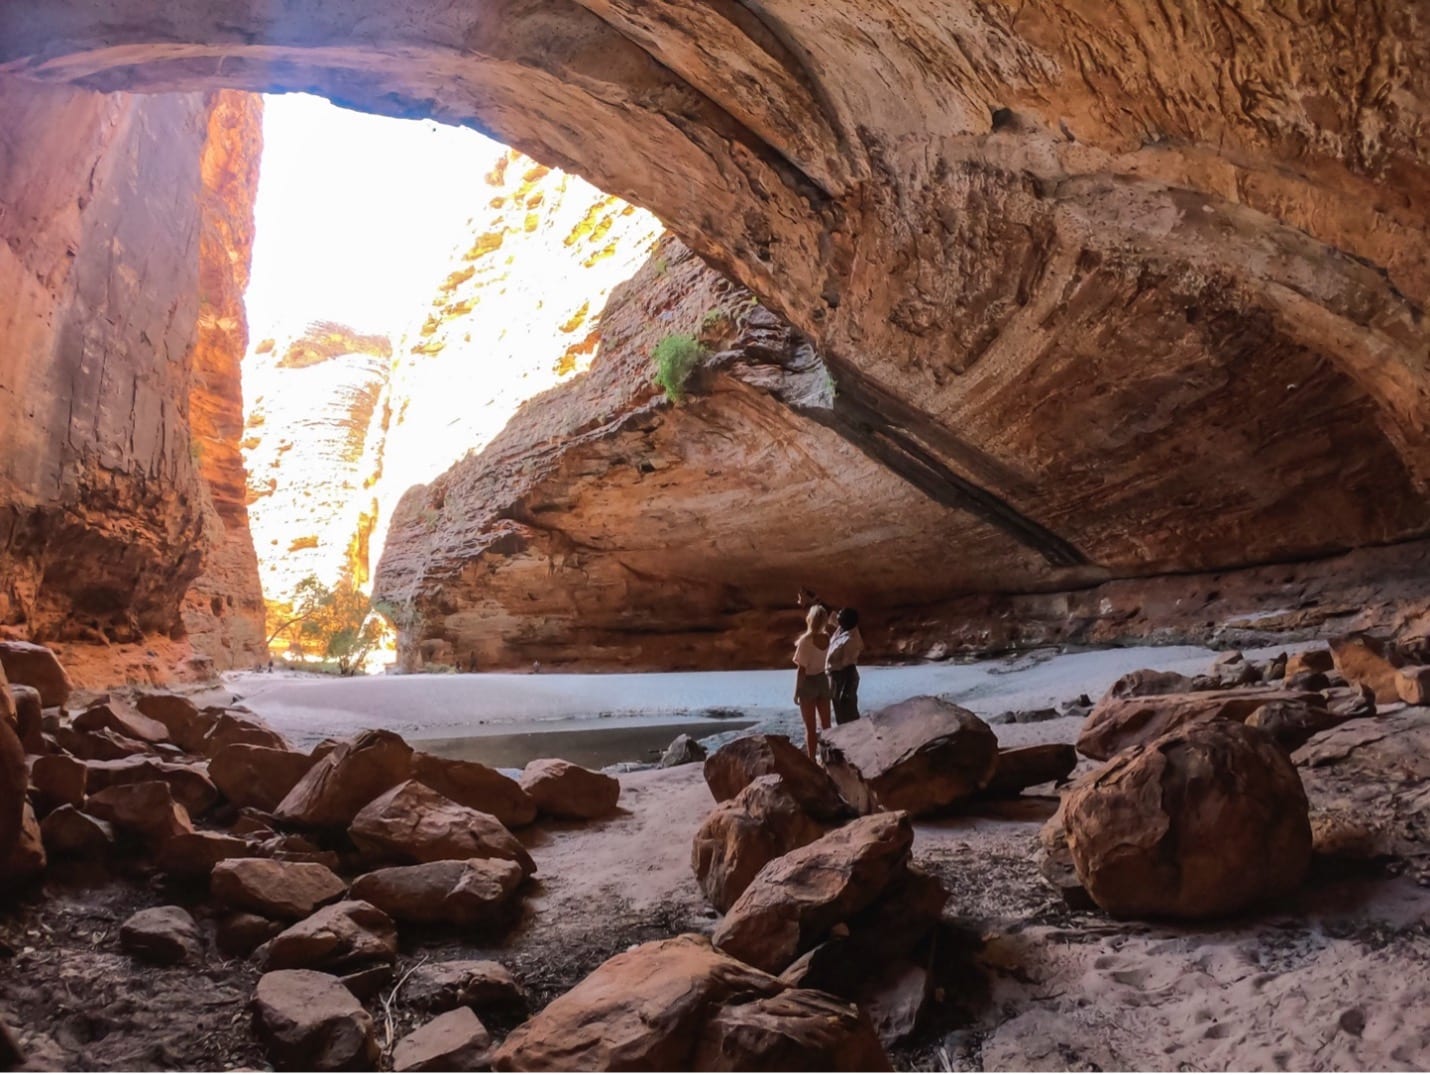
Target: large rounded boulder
(1200, 822)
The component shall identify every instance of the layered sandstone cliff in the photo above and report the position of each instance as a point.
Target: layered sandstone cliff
(125, 221)
(1139, 289)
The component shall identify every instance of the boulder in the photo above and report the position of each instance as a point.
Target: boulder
(35, 666)
(182, 720)
(478, 786)
(1118, 723)
(1412, 684)
(27, 859)
(29, 717)
(796, 899)
(741, 835)
(1025, 767)
(1369, 661)
(333, 791)
(1291, 724)
(103, 745)
(228, 727)
(58, 780)
(338, 937)
(115, 716)
(146, 809)
(1055, 863)
(238, 934)
(477, 892)
(921, 755)
(1203, 821)
(1307, 681)
(189, 784)
(563, 790)
(308, 1021)
(161, 935)
(471, 983)
(1311, 660)
(679, 1005)
(683, 750)
(454, 1041)
(286, 890)
(412, 823)
(741, 761)
(195, 854)
(68, 833)
(13, 778)
(1149, 681)
(257, 776)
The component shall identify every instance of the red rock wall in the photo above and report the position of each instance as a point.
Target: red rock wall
(105, 511)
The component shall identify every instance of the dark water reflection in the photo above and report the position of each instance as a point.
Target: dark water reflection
(591, 747)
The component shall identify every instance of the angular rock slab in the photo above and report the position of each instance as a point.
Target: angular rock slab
(257, 776)
(189, 784)
(795, 900)
(70, 833)
(338, 937)
(1201, 822)
(476, 892)
(454, 1041)
(476, 786)
(146, 809)
(161, 935)
(742, 835)
(920, 755)
(195, 854)
(36, 666)
(185, 724)
(287, 890)
(347, 779)
(797, 1030)
(1118, 723)
(741, 761)
(308, 1021)
(1292, 724)
(674, 1005)
(115, 716)
(412, 823)
(229, 726)
(563, 790)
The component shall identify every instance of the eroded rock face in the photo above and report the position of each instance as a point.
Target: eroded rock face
(123, 237)
(1203, 821)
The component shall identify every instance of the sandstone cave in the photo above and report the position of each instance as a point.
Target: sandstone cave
(1082, 348)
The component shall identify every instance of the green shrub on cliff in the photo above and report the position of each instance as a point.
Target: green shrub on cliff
(675, 359)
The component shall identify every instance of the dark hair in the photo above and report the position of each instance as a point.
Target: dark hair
(848, 617)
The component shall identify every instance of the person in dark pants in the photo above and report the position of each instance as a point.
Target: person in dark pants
(845, 646)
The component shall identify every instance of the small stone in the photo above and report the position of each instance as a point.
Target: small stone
(145, 809)
(683, 750)
(563, 790)
(472, 983)
(338, 937)
(454, 1041)
(115, 716)
(161, 935)
(476, 892)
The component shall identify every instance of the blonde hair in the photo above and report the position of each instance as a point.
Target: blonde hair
(815, 620)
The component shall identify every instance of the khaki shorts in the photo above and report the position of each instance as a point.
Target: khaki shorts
(813, 688)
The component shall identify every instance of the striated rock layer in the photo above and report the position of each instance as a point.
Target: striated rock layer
(125, 225)
(1104, 293)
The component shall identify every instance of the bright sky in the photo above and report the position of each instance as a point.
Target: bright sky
(355, 212)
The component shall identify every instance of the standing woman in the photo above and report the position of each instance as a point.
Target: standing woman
(811, 684)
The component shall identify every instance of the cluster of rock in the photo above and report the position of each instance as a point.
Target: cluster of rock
(309, 862)
(1199, 809)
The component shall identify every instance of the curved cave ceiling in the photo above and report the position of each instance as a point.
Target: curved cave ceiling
(1145, 281)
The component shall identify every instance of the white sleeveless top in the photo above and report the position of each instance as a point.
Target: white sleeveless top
(810, 656)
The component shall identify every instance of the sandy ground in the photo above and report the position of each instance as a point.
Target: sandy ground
(1337, 978)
